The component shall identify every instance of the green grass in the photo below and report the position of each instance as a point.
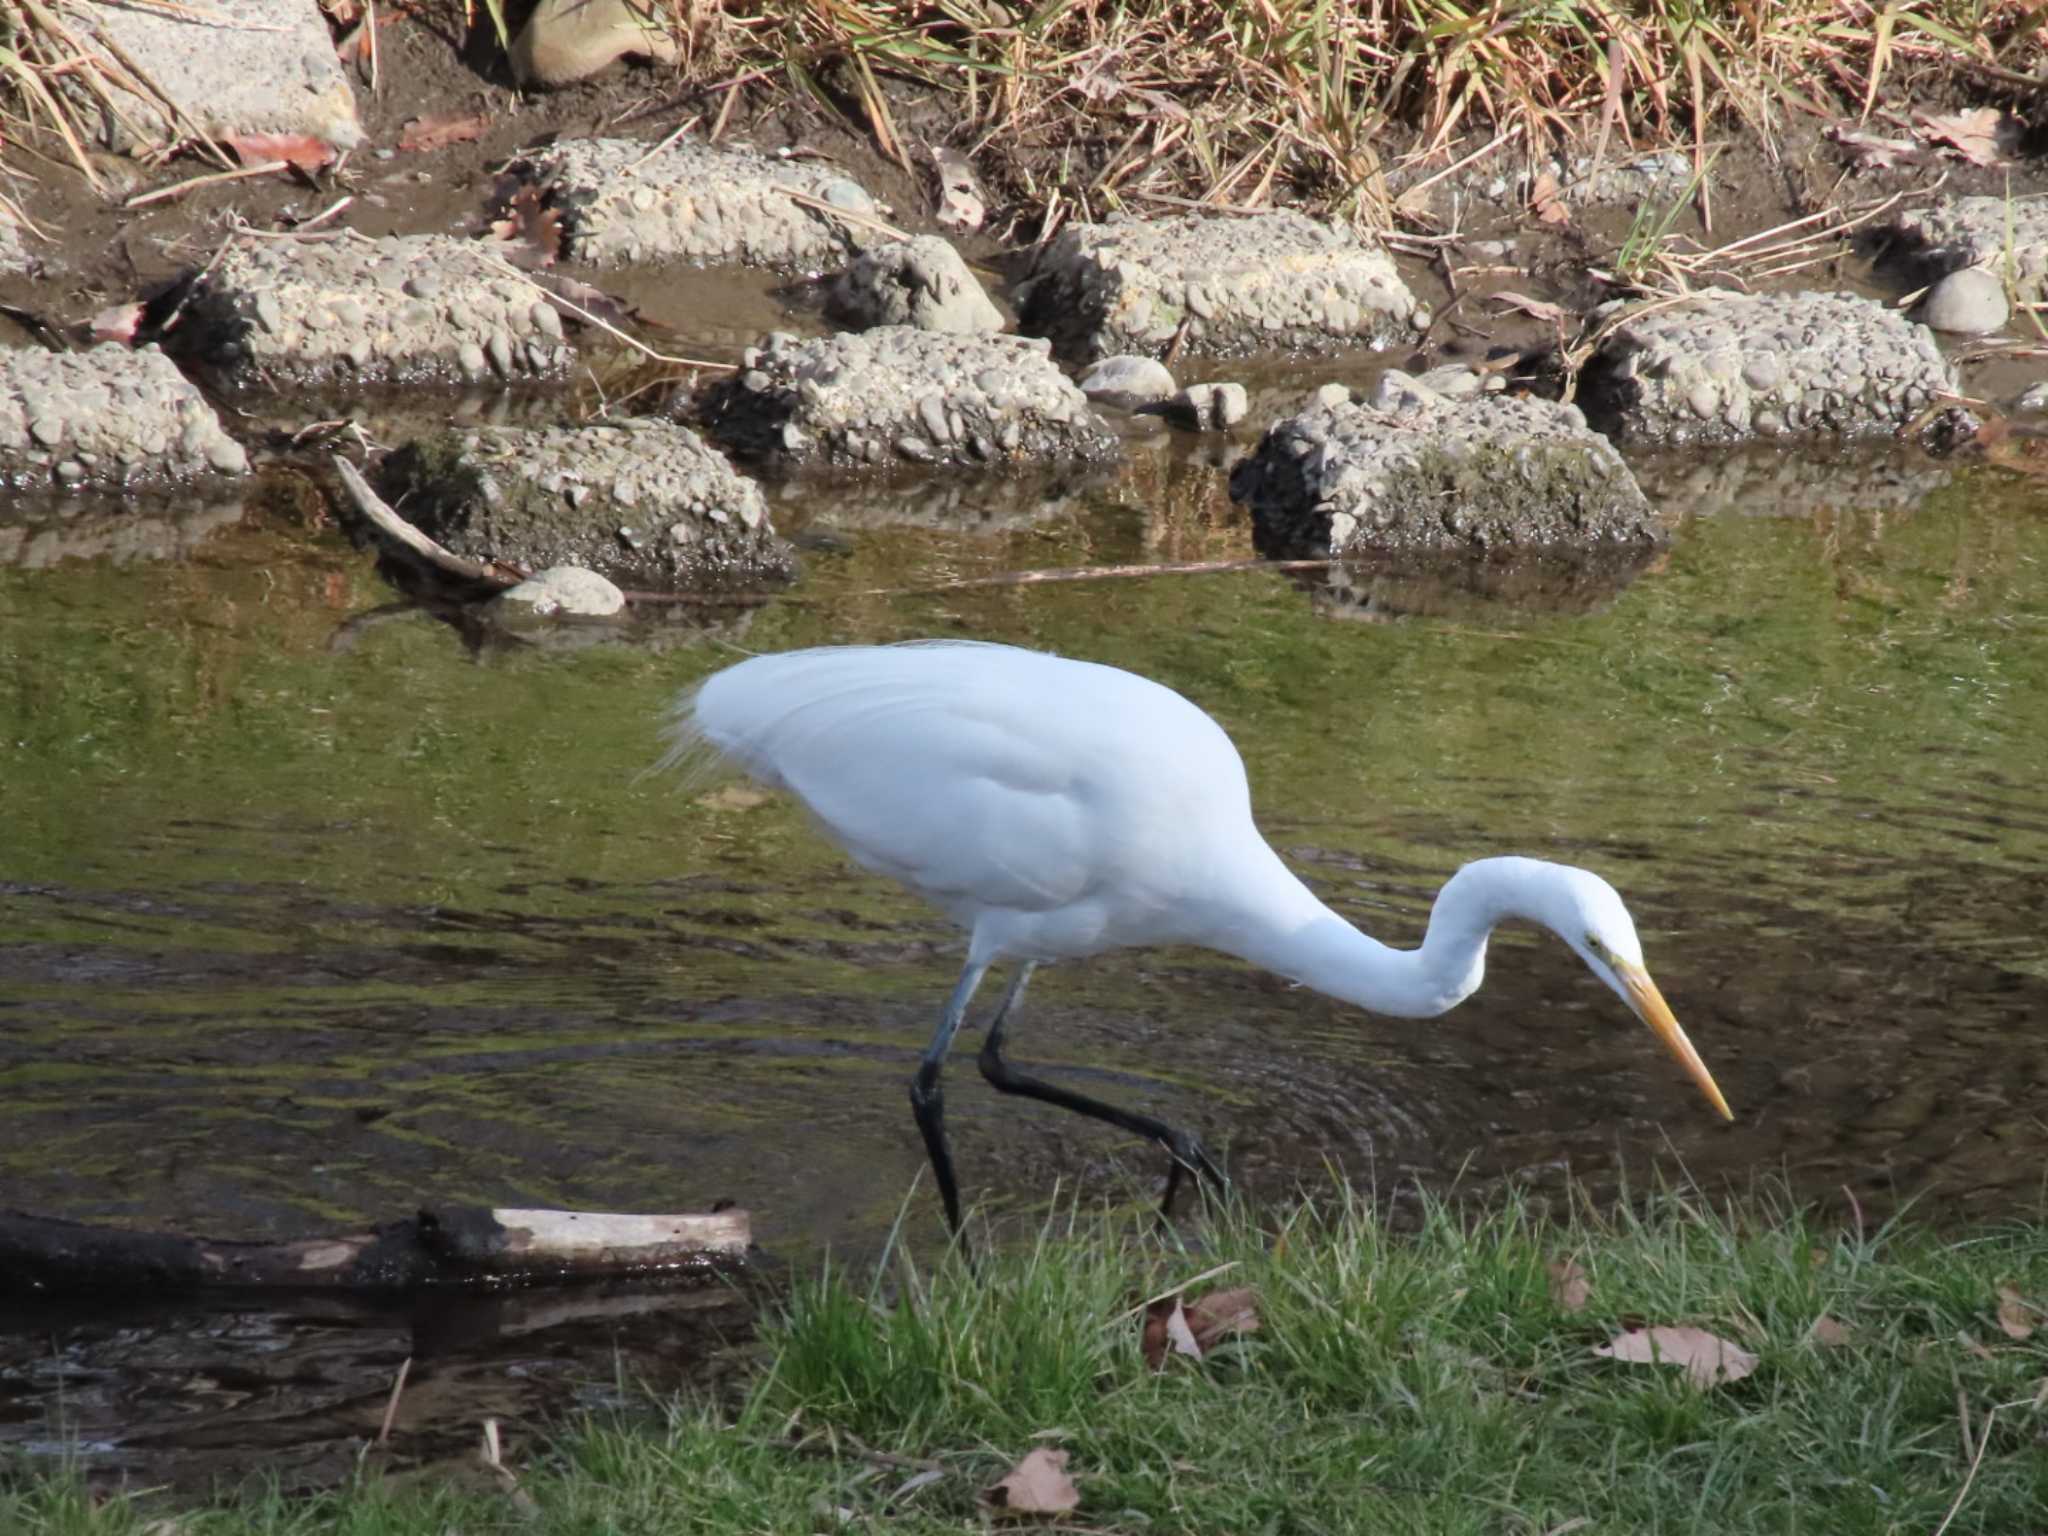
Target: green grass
(1427, 1382)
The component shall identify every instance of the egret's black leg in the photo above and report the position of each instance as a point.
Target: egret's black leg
(927, 1101)
(1183, 1147)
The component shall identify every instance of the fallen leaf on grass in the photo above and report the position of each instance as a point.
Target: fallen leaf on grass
(1827, 1331)
(1037, 1485)
(1972, 134)
(424, 133)
(1708, 1359)
(1969, 1342)
(1570, 1286)
(2015, 1314)
(1174, 1327)
(734, 797)
(296, 149)
(1535, 309)
(1546, 200)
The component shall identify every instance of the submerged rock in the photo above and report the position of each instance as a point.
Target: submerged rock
(1128, 381)
(401, 309)
(565, 590)
(230, 68)
(921, 282)
(1495, 476)
(641, 501)
(109, 416)
(1209, 407)
(625, 203)
(1726, 366)
(1261, 283)
(896, 396)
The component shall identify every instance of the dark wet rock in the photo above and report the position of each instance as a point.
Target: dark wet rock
(1128, 381)
(921, 282)
(565, 590)
(2007, 235)
(644, 502)
(231, 67)
(1534, 581)
(1726, 366)
(37, 532)
(625, 203)
(1270, 282)
(1969, 302)
(896, 396)
(109, 416)
(401, 309)
(1209, 407)
(1763, 480)
(1496, 476)
(568, 40)
(952, 503)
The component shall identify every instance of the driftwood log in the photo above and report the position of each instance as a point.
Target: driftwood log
(472, 1246)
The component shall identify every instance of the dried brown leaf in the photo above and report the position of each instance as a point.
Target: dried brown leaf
(1972, 134)
(1223, 1314)
(1570, 1286)
(961, 205)
(1830, 1333)
(299, 149)
(530, 229)
(118, 323)
(2015, 1314)
(1871, 153)
(1546, 200)
(1708, 1359)
(1535, 309)
(423, 133)
(1167, 1333)
(1037, 1485)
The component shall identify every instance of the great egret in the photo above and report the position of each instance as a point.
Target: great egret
(1059, 808)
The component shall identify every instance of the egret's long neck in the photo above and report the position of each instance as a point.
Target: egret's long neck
(1294, 935)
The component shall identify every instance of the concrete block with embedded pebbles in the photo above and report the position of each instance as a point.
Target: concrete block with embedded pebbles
(921, 282)
(401, 309)
(2007, 236)
(110, 417)
(643, 501)
(1432, 477)
(1260, 283)
(898, 396)
(1727, 366)
(625, 203)
(230, 67)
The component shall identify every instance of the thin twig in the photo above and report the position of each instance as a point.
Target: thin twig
(847, 215)
(391, 1407)
(179, 189)
(388, 522)
(1962, 1493)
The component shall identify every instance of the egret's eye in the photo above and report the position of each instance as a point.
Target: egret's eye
(1593, 943)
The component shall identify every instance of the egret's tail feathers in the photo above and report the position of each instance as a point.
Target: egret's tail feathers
(694, 757)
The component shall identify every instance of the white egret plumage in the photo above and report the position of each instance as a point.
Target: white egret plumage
(1058, 808)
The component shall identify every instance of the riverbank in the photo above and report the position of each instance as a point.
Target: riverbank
(1458, 1378)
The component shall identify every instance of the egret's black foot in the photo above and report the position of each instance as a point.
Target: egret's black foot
(1189, 1156)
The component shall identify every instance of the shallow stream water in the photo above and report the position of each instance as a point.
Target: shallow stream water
(313, 910)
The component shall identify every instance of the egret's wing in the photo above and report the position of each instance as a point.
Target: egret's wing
(957, 779)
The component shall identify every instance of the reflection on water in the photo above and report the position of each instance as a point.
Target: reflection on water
(309, 919)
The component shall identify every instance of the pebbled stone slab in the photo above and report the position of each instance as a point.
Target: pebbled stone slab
(642, 501)
(232, 66)
(921, 282)
(1259, 283)
(1728, 366)
(897, 396)
(110, 417)
(625, 203)
(1433, 477)
(2007, 235)
(402, 309)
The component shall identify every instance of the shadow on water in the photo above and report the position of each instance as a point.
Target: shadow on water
(298, 932)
